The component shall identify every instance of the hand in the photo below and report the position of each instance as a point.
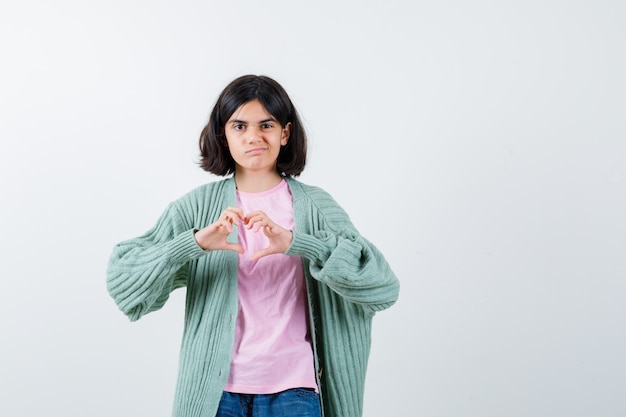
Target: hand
(279, 238)
(213, 237)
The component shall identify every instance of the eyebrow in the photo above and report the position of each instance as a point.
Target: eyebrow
(271, 119)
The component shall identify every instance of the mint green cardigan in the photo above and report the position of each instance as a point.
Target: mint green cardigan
(348, 280)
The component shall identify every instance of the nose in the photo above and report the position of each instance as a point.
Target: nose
(253, 134)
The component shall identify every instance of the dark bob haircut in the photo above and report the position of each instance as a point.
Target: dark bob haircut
(214, 153)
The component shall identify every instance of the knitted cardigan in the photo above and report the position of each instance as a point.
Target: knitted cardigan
(347, 278)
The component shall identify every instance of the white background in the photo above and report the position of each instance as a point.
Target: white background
(479, 144)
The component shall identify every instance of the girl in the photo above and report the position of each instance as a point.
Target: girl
(281, 287)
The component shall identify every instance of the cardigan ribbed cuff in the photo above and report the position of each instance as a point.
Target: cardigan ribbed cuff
(184, 247)
(308, 246)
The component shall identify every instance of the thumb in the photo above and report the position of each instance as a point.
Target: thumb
(261, 253)
(235, 247)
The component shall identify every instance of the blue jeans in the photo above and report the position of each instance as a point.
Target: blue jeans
(295, 402)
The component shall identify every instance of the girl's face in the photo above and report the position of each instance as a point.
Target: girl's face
(254, 138)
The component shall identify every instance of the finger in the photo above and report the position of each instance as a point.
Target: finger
(255, 216)
(238, 212)
(253, 221)
(270, 230)
(231, 219)
(257, 213)
(235, 247)
(260, 224)
(235, 221)
(234, 213)
(234, 209)
(226, 224)
(261, 253)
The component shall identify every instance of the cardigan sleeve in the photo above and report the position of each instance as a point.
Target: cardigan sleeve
(143, 271)
(342, 259)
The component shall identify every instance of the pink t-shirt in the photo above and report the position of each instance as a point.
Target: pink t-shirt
(272, 349)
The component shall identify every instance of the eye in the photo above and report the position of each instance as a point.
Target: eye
(267, 126)
(238, 126)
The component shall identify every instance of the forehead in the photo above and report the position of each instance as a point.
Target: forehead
(251, 111)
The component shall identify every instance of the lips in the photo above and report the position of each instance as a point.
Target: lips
(256, 150)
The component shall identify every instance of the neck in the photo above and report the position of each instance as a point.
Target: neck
(256, 183)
